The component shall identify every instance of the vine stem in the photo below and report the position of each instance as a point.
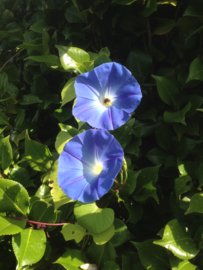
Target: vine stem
(84, 243)
(40, 223)
(115, 191)
(10, 59)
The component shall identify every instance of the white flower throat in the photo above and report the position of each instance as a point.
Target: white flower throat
(107, 99)
(97, 168)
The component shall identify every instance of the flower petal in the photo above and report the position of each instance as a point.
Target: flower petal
(87, 87)
(78, 173)
(102, 93)
(129, 87)
(119, 117)
(127, 103)
(90, 192)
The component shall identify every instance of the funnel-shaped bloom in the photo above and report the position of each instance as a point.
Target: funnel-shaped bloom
(89, 164)
(106, 96)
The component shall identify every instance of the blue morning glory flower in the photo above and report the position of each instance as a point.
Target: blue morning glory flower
(89, 164)
(106, 96)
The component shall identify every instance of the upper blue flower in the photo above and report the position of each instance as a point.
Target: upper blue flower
(89, 164)
(106, 96)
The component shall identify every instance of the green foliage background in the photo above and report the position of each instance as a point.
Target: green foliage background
(155, 221)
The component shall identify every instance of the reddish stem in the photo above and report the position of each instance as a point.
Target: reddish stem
(10, 59)
(41, 223)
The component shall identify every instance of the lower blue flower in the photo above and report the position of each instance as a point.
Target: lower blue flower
(89, 164)
(106, 96)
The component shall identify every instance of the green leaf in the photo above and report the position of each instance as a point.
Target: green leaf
(146, 182)
(3, 82)
(3, 120)
(89, 65)
(12, 71)
(13, 91)
(72, 15)
(101, 60)
(149, 114)
(21, 175)
(10, 226)
(30, 99)
(196, 31)
(63, 114)
(45, 42)
(50, 60)
(186, 265)
(13, 197)
(16, 137)
(183, 147)
(7, 16)
(28, 46)
(122, 134)
(134, 209)
(101, 254)
(151, 6)
(144, 129)
(199, 174)
(130, 184)
(157, 156)
(68, 92)
(169, 2)
(194, 9)
(166, 26)
(72, 58)
(140, 64)
(20, 118)
(92, 218)
(122, 234)
(178, 116)
(41, 25)
(167, 90)
(196, 204)
(16, 33)
(127, 263)
(110, 266)
(163, 137)
(196, 70)
(59, 197)
(75, 3)
(43, 193)
(73, 232)
(134, 147)
(63, 137)
(182, 185)
(102, 238)
(41, 211)
(29, 246)
(37, 154)
(123, 2)
(71, 259)
(152, 257)
(196, 102)
(6, 154)
(177, 239)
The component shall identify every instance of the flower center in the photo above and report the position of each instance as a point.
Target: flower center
(107, 102)
(97, 168)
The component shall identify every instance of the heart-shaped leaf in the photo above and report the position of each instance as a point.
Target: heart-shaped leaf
(13, 197)
(93, 218)
(10, 226)
(73, 231)
(178, 240)
(71, 259)
(29, 246)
